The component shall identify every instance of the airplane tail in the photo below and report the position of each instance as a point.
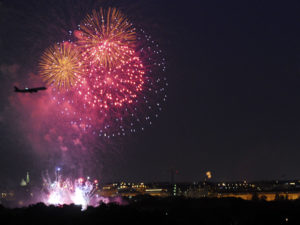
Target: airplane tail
(16, 88)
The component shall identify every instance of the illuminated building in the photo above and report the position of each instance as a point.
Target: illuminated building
(157, 192)
(108, 191)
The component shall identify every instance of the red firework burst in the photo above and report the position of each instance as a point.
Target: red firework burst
(112, 87)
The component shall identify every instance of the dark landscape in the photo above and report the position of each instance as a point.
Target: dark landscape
(150, 210)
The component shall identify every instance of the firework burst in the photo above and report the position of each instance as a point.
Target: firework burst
(112, 87)
(113, 76)
(105, 37)
(60, 65)
(119, 100)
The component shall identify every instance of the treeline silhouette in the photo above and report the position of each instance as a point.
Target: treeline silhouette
(149, 210)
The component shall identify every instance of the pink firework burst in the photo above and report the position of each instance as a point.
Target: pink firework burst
(119, 100)
(112, 87)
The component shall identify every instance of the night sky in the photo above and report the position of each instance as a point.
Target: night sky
(233, 96)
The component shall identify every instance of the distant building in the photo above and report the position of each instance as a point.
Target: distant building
(157, 192)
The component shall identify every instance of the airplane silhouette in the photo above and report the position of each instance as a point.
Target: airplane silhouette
(30, 90)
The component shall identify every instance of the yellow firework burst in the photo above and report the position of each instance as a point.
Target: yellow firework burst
(60, 65)
(106, 37)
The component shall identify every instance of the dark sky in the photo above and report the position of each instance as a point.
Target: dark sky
(233, 95)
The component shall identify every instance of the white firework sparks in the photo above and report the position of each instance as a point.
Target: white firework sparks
(80, 192)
